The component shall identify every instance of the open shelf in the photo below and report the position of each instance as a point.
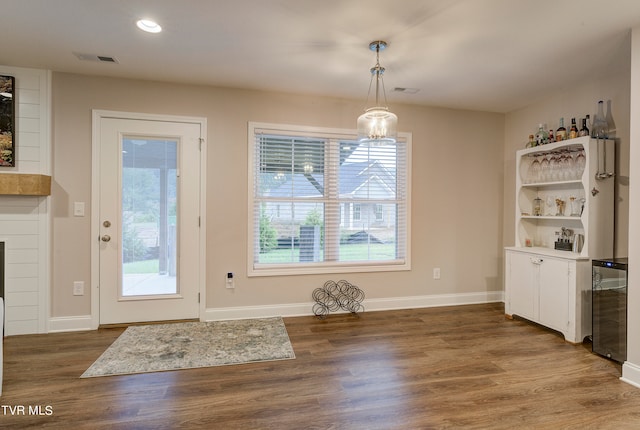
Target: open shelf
(21, 184)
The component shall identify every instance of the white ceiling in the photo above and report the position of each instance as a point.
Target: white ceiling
(491, 55)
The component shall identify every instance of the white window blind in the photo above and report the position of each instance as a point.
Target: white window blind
(320, 199)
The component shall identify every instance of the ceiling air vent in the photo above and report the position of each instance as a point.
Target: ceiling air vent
(94, 57)
(406, 90)
(107, 59)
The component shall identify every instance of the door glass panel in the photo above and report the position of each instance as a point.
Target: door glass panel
(149, 217)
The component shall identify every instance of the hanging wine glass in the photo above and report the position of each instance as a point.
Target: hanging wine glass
(545, 172)
(581, 163)
(567, 166)
(554, 168)
(534, 171)
(571, 167)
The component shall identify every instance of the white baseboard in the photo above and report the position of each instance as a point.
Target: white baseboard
(75, 323)
(631, 374)
(391, 303)
(85, 322)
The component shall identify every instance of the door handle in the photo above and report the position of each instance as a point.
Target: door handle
(105, 238)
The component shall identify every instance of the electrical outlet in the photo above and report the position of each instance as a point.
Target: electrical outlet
(229, 279)
(78, 288)
(436, 273)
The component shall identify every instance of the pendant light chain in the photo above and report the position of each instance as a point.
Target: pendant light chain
(378, 70)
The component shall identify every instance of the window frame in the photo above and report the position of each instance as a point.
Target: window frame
(324, 267)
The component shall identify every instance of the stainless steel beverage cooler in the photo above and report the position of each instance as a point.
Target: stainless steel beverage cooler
(609, 300)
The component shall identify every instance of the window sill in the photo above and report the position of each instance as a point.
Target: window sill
(259, 270)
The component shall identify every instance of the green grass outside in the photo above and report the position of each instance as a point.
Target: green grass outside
(352, 252)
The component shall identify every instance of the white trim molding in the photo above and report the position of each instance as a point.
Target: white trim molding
(384, 304)
(631, 374)
(74, 323)
(85, 322)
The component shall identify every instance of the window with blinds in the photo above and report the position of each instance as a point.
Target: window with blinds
(320, 200)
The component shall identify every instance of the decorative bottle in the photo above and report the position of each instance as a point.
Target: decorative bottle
(561, 133)
(573, 131)
(584, 131)
(611, 124)
(532, 142)
(551, 137)
(541, 136)
(599, 129)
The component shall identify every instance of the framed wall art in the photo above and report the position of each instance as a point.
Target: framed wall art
(7, 121)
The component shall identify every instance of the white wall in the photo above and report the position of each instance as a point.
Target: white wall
(457, 186)
(631, 368)
(25, 220)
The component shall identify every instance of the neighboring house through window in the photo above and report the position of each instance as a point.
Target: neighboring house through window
(319, 199)
(379, 212)
(357, 212)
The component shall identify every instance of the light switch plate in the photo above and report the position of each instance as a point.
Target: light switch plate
(78, 208)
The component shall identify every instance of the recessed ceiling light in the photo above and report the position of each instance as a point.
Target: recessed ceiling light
(149, 26)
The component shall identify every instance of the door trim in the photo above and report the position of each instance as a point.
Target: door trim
(97, 116)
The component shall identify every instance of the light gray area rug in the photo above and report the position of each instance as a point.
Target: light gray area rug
(161, 347)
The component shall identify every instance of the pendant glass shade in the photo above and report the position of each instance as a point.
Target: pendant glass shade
(377, 126)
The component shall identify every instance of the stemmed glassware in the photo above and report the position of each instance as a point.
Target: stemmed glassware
(554, 167)
(555, 171)
(545, 169)
(533, 175)
(580, 164)
(570, 166)
(551, 204)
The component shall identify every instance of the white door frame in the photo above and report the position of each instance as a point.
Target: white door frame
(97, 116)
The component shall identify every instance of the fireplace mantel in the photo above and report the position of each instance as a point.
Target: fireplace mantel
(22, 184)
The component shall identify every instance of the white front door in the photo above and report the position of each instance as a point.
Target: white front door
(149, 219)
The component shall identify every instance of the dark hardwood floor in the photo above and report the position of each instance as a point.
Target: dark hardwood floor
(450, 367)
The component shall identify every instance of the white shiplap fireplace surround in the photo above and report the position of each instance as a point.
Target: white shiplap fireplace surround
(25, 221)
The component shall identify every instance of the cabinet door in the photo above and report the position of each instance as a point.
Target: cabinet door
(521, 283)
(554, 293)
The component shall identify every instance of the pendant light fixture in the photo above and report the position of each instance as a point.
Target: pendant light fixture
(377, 126)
